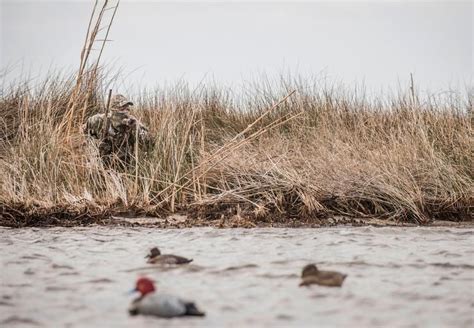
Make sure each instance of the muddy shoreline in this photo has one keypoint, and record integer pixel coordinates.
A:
(23, 217)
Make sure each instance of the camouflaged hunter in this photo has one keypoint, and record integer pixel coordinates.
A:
(123, 130)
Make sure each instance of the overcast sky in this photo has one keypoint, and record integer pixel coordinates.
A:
(378, 43)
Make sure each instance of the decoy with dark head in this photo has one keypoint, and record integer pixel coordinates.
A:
(161, 305)
(312, 275)
(155, 257)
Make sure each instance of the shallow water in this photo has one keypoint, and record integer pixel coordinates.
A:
(398, 277)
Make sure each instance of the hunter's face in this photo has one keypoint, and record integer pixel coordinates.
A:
(126, 107)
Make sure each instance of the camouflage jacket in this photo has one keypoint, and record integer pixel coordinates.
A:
(122, 126)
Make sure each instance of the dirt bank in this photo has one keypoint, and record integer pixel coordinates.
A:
(20, 216)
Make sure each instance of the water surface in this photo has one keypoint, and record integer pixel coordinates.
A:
(398, 277)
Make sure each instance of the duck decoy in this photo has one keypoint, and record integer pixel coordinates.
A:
(312, 275)
(161, 305)
(155, 257)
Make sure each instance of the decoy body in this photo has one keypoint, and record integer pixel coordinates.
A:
(161, 305)
(311, 275)
(155, 257)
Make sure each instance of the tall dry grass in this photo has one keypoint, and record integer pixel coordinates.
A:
(320, 152)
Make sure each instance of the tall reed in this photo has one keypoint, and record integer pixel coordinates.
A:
(320, 152)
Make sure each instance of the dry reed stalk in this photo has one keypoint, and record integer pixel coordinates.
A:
(91, 38)
(135, 190)
(227, 147)
(86, 48)
(178, 169)
(107, 121)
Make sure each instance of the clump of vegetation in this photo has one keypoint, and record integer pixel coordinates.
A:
(269, 156)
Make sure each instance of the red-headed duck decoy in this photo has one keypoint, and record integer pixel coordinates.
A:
(161, 305)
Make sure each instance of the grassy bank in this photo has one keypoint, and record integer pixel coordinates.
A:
(322, 152)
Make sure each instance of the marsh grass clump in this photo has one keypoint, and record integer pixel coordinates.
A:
(317, 153)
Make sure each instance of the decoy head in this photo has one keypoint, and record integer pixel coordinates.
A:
(154, 252)
(309, 270)
(144, 286)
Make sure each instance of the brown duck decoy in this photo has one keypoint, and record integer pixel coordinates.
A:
(311, 275)
(155, 257)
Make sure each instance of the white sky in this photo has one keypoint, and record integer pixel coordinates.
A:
(378, 43)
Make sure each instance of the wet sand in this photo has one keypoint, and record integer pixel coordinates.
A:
(398, 277)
